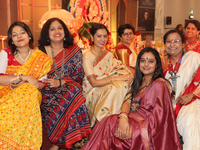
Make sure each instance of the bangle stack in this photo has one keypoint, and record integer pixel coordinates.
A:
(123, 113)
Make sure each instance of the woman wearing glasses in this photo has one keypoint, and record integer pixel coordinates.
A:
(192, 29)
(124, 52)
(184, 74)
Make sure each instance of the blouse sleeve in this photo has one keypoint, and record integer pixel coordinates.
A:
(3, 62)
(88, 65)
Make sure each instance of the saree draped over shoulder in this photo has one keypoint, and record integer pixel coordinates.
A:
(20, 117)
(153, 125)
(106, 100)
(126, 54)
(63, 108)
(193, 46)
(188, 121)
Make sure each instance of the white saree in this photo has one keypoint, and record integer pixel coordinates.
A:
(188, 119)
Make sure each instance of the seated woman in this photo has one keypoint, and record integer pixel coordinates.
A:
(123, 50)
(147, 120)
(20, 71)
(104, 84)
(64, 113)
(185, 65)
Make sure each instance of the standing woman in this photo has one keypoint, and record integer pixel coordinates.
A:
(21, 72)
(147, 120)
(63, 106)
(187, 96)
(192, 29)
(104, 84)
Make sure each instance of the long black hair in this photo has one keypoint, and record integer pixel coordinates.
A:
(44, 36)
(9, 33)
(138, 78)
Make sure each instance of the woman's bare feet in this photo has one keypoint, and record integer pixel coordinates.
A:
(54, 147)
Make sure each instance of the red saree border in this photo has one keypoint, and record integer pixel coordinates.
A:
(69, 52)
(100, 57)
(62, 123)
(122, 46)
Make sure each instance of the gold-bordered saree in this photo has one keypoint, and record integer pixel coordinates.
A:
(106, 100)
(20, 117)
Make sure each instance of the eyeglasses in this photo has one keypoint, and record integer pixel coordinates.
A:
(173, 41)
(127, 34)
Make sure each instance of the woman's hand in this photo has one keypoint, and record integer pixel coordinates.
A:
(12, 85)
(124, 130)
(52, 82)
(126, 77)
(183, 100)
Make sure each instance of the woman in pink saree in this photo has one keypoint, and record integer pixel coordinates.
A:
(147, 120)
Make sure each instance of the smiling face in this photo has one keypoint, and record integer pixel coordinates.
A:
(56, 32)
(147, 64)
(191, 31)
(174, 45)
(127, 37)
(100, 38)
(20, 37)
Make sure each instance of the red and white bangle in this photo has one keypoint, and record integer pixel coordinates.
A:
(123, 115)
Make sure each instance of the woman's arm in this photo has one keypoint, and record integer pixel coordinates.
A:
(124, 130)
(109, 80)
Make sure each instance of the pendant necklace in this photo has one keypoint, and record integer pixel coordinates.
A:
(58, 75)
(29, 52)
(135, 103)
(174, 70)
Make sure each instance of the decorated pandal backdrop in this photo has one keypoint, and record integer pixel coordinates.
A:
(82, 14)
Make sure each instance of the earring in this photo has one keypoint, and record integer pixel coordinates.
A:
(29, 38)
(47, 40)
(64, 39)
(12, 43)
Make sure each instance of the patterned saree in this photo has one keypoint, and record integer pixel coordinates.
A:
(20, 117)
(63, 108)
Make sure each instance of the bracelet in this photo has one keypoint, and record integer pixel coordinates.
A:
(60, 82)
(123, 115)
(124, 112)
(108, 80)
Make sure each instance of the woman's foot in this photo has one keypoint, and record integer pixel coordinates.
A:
(54, 147)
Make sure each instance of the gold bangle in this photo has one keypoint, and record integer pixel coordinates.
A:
(108, 80)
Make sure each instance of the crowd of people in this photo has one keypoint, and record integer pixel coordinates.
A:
(53, 96)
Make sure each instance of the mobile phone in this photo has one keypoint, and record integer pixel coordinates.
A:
(16, 81)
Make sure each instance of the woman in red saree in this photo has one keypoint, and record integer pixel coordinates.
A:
(192, 28)
(147, 120)
(65, 115)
